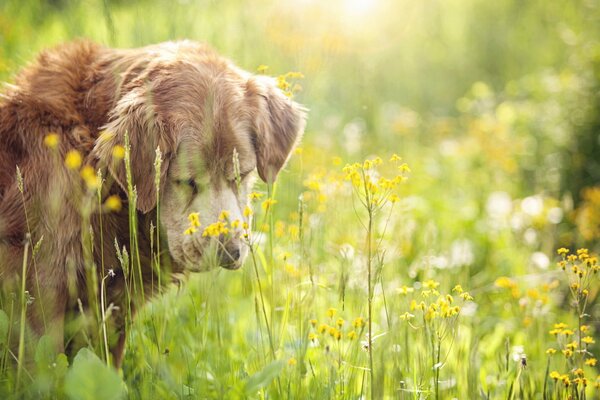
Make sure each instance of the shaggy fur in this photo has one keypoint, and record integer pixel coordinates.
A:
(182, 98)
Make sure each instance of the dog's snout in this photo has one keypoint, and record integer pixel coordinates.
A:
(231, 255)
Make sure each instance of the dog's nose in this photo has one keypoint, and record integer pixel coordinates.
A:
(230, 255)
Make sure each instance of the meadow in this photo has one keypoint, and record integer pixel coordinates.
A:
(434, 236)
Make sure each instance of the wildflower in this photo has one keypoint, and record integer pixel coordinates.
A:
(312, 336)
(458, 289)
(52, 140)
(431, 284)
(352, 335)
(466, 296)
(331, 312)
(190, 231)
(262, 69)
(247, 211)
(194, 219)
(255, 196)
(118, 152)
(555, 375)
(591, 362)
(223, 215)
(113, 203)
(562, 251)
(504, 283)
(406, 316)
(111, 273)
(572, 346)
(292, 361)
(89, 177)
(395, 158)
(551, 351)
(268, 203)
(216, 229)
(323, 328)
(406, 289)
(588, 340)
(73, 159)
(340, 322)
(359, 322)
(567, 353)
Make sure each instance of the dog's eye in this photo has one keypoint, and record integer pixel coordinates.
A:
(190, 183)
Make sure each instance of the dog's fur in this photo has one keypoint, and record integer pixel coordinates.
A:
(180, 97)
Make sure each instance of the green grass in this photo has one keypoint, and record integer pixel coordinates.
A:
(494, 107)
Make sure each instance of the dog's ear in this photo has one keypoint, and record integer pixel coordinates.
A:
(135, 115)
(278, 126)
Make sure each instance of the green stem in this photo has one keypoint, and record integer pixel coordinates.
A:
(21, 351)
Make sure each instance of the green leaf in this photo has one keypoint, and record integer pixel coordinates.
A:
(91, 379)
(45, 353)
(264, 377)
(3, 328)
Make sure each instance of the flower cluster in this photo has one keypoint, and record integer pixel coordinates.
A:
(574, 342)
(373, 189)
(335, 329)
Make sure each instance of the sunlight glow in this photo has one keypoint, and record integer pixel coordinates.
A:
(359, 7)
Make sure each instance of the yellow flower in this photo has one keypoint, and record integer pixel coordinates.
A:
(562, 251)
(268, 203)
(352, 335)
(52, 140)
(431, 284)
(313, 322)
(406, 289)
(255, 196)
(73, 159)
(331, 312)
(504, 283)
(359, 322)
(118, 152)
(323, 328)
(458, 289)
(406, 316)
(292, 361)
(224, 215)
(89, 177)
(588, 340)
(215, 229)
(395, 158)
(340, 322)
(312, 336)
(247, 211)
(113, 203)
(555, 375)
(194, 219)
(190, 231)
(591, 362)
(551, 351)
(466, 296)
(568, 353)
(262, 69)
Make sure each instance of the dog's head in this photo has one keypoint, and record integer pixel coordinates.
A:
(199, 109)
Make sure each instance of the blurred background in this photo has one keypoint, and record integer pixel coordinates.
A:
(495, 106)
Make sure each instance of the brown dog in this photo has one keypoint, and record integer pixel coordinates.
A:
(182, 98)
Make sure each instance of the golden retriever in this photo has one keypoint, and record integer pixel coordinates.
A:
(182, 98)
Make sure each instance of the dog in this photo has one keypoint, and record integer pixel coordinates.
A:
(194, 128)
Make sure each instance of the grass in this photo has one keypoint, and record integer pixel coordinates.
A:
(446, 282)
